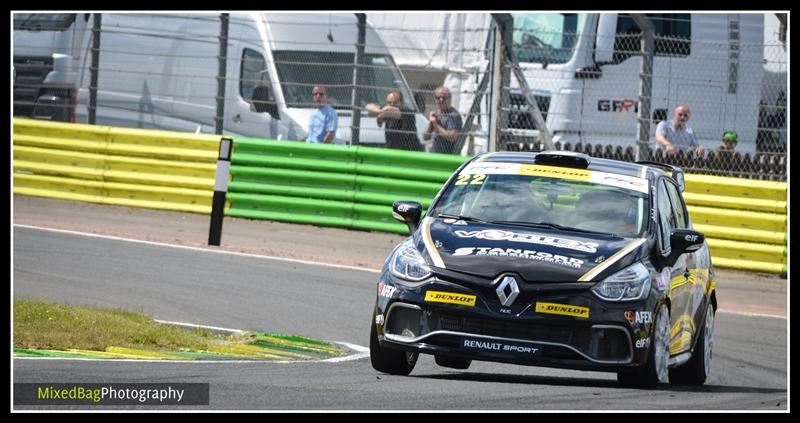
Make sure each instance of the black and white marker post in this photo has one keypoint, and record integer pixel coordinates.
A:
(220, 189)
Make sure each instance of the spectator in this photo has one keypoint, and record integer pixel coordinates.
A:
(444, 124)
(401, 128)
(729, 140)
(323, 123)
(676, 135)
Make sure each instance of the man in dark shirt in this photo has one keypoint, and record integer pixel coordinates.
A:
(401, 128)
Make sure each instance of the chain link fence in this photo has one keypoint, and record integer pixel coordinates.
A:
(725, 67)
(582, 72)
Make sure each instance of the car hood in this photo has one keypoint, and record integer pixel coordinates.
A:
(538, 255)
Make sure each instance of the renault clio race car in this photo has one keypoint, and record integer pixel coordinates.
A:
(551, 259)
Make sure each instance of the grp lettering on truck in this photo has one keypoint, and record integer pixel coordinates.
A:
(626, 105)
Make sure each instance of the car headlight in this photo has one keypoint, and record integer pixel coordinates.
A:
(407, 263)
(630, 283)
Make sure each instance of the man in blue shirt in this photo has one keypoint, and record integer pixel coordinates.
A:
(323, 123)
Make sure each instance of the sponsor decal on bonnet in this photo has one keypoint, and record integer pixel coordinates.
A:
(519, 253)
(500, 235)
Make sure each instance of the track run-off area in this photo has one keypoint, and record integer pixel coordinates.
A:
(334, 302)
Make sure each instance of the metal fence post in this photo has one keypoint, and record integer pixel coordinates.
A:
(96, 25)
(497, 88)
(507, 21)
(645, 86)
(359, 62)
(219, 118)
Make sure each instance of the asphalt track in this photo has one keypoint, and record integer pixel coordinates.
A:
(335, 303)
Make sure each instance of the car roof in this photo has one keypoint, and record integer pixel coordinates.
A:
(598, 164)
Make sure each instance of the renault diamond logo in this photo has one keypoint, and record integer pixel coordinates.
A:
(507, 290)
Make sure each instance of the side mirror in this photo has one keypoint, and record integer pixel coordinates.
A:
(408, 212)
(604, 43)
(686, 240)
(263, 103)
(419, 98)
(683, 241)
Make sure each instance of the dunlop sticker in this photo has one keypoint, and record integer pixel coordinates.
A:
(563, 309)
(450, 297)
(556, 172)
(585, 175)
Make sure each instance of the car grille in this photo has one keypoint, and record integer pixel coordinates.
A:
(30, 74)
(606, 343)
(572, 335)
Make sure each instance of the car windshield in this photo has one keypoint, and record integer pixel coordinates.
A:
(43, 21)
(607, 206)
(546, 37)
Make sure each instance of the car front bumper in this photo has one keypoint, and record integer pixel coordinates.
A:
(603, 336)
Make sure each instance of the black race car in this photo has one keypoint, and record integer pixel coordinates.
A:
(551, 259)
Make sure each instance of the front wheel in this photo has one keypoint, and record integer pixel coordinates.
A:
(655, 369)
(697, 369)
(387, 360)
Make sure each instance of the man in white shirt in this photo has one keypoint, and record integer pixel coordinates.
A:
(673, 135)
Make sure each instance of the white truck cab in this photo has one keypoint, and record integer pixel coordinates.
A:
(584, 71)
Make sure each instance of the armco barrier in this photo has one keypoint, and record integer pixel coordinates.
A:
(331, 185)
(745, 221)
(355, 186)
(102, 164)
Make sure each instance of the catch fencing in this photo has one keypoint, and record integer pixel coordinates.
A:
(729, 68)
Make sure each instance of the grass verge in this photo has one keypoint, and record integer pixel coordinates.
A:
(43, 325)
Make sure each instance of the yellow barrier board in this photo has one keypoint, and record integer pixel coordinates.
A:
(122, 166)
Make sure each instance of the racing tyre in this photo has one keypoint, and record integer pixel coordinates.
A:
(696, 370)
(655, 369)
(453, 362)
(390, 361)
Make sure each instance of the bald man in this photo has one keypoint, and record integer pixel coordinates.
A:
(673, 135)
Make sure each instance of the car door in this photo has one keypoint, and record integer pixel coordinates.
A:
(697, 263)
(680, 287)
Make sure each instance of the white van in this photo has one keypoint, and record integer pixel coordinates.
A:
(160, 71)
